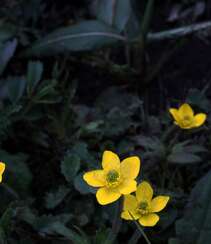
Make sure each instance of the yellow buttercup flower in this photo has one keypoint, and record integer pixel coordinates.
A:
(185, 118)
(115, 178)
(142, 207)
(2, 168)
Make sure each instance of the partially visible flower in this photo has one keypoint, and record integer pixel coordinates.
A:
(115, 178)
(2, 168)
(142, 207)
(185, 118)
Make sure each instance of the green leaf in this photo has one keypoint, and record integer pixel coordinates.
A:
(8, 215)
(15, 88)
(183, 158)
(81, 186)
(199, 98)
(52, 225)
(6, 53)
(195, 226)
(6, 222)
(76, 238)
(114, 12)
(85, 36)
(70, 167)
(102, 237)
(7, 31)
(53, 199)
(34, 74)
(17, 172)
(183, 153)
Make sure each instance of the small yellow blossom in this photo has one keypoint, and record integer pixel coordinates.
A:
(185, 118)
(142, 207)
(115, 178)
(2, 168)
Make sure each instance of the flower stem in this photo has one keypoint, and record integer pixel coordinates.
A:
(142, 232)
(140, 229)
(116, 224)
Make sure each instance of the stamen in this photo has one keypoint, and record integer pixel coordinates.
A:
(143, 208)
(112, 176)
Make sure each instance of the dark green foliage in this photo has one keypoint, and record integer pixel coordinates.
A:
(74, 82)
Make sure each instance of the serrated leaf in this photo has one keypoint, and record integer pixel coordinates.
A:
(114, 12)
(53, 199)
(195, 226)
(70, 167)
(85, 36)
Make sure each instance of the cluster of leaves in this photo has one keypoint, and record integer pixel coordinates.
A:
(50, 134)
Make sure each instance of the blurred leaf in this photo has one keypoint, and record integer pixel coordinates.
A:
(195, 226)
(114, 12)
(117, 111)
(102, 237)
(81, 186)
(153, 146)
(70, 166)
(183, 158)
(85, 36)
(52, 225)
(198, 98)
(183, 153)
(53, 199)
(34, 75)
(6, 222)
(7, 117)
(6, 53)
(15, 88)
(80, 149)
(47, 93)
(19, 175)
(7, 31)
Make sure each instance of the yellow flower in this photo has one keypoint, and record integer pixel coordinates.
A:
(115, 178)
(2, 168)
(142, 207)
(185, 118)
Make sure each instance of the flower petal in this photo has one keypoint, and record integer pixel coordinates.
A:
(158, 203)
(130, 167)
(149, 220)
(144, 192)
(199, 119)
(174, 112)
(185, 110)
(130, 203)
(110, 160)
(127, 186)
(95, 178)
(126, 215)
(2, 168)
(105, 195)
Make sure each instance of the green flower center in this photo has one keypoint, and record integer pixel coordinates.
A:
(143, 208)
(112, 176)
(187, 120)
